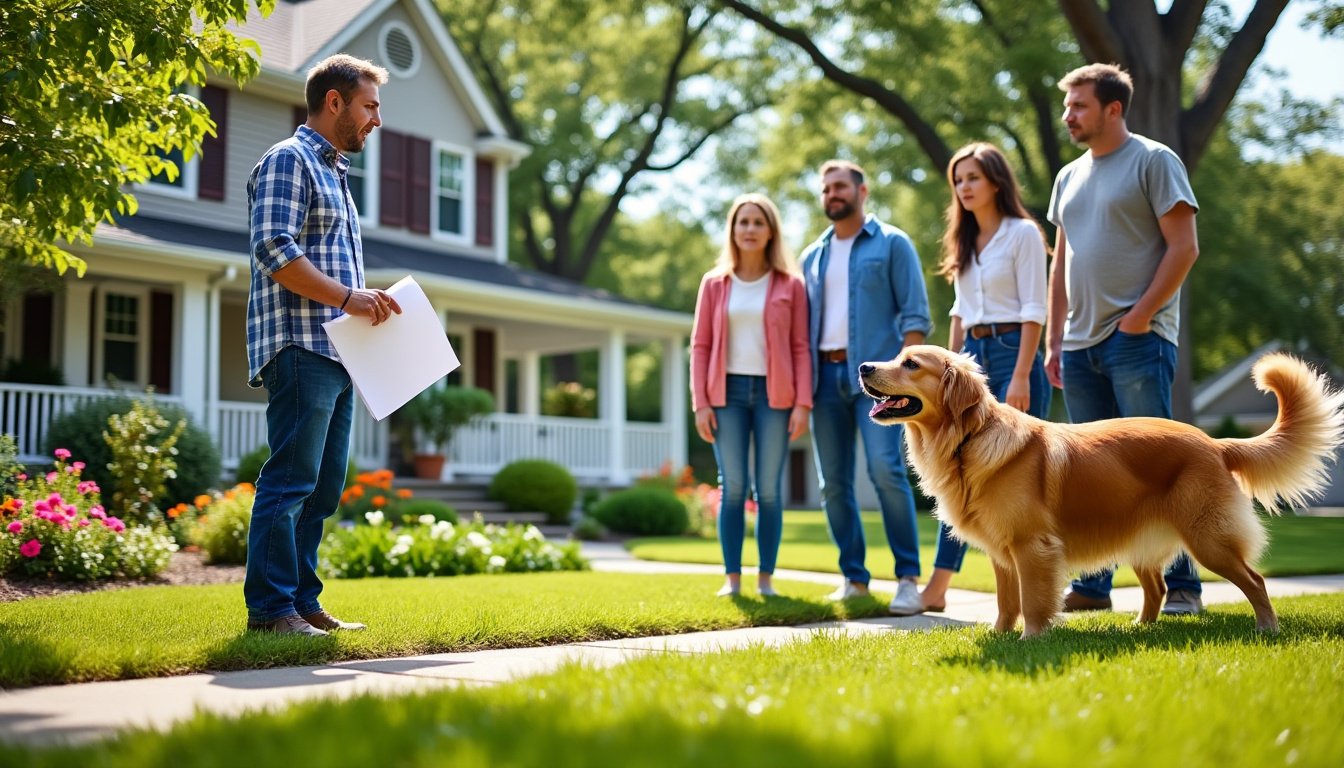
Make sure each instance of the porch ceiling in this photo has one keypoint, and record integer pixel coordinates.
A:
(517, 336)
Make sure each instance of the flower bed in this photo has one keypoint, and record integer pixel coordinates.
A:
(55, 526)
(438, 548)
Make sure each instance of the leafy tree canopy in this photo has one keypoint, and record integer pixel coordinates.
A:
(93, 97)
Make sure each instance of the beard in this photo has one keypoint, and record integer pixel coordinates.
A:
(845, 210)
(347, 133)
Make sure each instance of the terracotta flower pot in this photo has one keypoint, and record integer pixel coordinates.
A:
(429, 466)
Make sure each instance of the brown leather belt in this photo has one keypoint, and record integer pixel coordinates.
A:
(832, 355)
(992, 329)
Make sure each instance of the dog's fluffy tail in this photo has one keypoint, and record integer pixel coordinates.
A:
(1288, 464)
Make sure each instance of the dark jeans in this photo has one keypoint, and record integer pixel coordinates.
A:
(1125, 375)
(309, 411)
(997, 355)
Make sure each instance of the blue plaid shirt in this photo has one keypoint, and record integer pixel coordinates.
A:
(299, 205)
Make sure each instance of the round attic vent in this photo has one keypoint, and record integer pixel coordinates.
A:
(399, 49)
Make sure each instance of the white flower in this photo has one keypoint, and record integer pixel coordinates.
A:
(441, 530)
(533, 534)
(374, 517)
(426, 519)
(478, 541)
(495, 563)
(405, 540)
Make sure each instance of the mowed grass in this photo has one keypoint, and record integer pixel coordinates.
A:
(1298, 546)
(1099, 691)
(155, 631)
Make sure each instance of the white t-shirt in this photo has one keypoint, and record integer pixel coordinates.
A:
(835, 299)
(746, 326)
(1006, 283)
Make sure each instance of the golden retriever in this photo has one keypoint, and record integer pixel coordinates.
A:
(1044, 499)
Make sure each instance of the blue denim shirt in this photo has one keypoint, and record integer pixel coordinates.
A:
(887, 297)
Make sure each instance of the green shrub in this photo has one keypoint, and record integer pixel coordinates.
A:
(221, 528)
(81, 432)
(9, 466)
(589, 529)
(645, 510)
(415, 509)
(249, 466)
(144, 457)
(535, 485)
(569, 398)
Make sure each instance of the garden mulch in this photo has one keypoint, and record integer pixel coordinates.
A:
(186, 567)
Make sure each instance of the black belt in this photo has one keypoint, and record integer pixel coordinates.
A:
(992, 329)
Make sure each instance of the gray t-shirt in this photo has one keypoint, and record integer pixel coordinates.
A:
(1109, 207)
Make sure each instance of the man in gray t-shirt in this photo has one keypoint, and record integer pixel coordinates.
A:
(1126, 241)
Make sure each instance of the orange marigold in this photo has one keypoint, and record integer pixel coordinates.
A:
(203, 501)
(379, 502)
(404, 493)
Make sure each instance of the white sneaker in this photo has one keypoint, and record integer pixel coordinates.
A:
(847, 590)
(907, 601)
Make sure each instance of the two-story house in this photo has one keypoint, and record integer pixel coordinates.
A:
(164, 300)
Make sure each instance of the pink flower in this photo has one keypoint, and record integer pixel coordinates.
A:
(41, 506)
(61, 453)
(23, 476)
(114, 524)
(51, 477)
(70, 510)
(96, 511)
(30, 548)
(18, 503)
(14, 527)
(88, 486)
(83, 522)
(79, 466)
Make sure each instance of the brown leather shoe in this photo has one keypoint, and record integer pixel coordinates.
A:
(286, 625)
(1075, 602)
(324, 620)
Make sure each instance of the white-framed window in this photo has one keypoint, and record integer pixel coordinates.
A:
(451, 189)
(362, 179)
(185, 183)
(121, 342)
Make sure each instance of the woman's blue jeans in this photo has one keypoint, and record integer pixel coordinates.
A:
(746, 423)
(309, 410)
(997, 356)
(1125, 375)
(840, 412)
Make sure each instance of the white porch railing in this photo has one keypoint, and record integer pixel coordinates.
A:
(581, 445)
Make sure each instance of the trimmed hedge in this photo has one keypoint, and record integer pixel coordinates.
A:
(644, 510)
(535, 485)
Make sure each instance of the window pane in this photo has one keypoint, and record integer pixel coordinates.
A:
(450, 174)
(356, 185)
(450, 215)
(162, 178)
(119, 360)
(122, 315)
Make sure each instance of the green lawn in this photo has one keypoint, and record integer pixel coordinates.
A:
(154, 631)
(1192, 692)
(1298, 546)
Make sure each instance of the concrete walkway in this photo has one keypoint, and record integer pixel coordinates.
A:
(87, 711)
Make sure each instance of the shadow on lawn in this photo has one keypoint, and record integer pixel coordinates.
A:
(1107, 636)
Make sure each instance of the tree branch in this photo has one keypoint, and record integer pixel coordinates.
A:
(1181, 22)
(1096, 36)
(925, 135)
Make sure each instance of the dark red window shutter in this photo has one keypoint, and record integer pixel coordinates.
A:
(392, 184)
(214, 153)
(161, 341)
(418, 168)
(485, 202)
(483, 359)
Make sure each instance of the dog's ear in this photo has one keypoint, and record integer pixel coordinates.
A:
(963, 397)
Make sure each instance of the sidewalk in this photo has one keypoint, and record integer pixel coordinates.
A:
(87, 711)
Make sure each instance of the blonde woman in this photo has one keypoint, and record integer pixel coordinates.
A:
(751, 378)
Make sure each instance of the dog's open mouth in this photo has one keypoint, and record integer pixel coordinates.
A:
(896, 407)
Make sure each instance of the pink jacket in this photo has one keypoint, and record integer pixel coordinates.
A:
(788, 378)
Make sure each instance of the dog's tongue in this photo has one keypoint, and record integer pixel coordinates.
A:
(892, 402)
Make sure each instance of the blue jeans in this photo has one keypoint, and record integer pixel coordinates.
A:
(1125, 375)
(997, 356)
(745, 422)
(310, 407)
(838, 411)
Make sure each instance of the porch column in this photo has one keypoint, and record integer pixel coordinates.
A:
(213, 367)
(193, 353)
(674, 397)
(611, 403)
(529, 384)
(75, 341)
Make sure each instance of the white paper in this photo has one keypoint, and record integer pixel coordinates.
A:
(394, 361)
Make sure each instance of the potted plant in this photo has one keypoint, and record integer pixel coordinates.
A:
(436, 414)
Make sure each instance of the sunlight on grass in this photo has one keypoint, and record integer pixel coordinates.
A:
(1192, 692)
(152, 631)
(1298, 546)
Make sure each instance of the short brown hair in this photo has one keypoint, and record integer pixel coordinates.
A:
(1110, 82)
(342, 73)
(843, 165)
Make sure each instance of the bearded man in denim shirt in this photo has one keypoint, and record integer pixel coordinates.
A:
(307, 268)
(867, 300)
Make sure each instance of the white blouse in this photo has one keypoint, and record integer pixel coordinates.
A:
(746, 325)
(1006, 283)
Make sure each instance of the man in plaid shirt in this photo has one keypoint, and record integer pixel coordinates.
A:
(307, 268)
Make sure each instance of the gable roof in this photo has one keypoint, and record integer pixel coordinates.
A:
(297, 35)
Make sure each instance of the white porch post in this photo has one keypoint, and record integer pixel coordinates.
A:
(213, 367)
(77, 344)
(674, 396)
(501, 217)
(611, 403)
(529, 384)
(194, 360)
